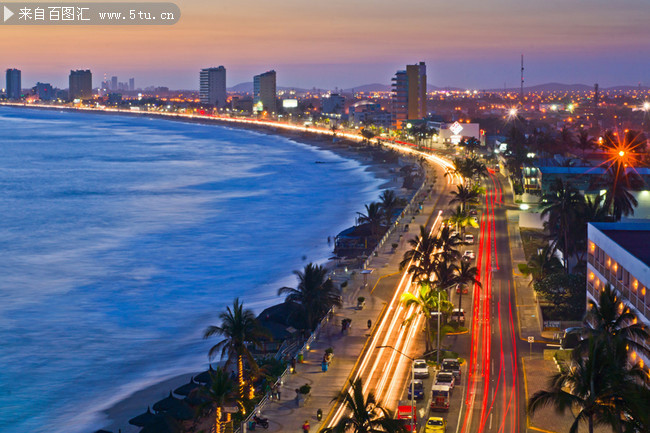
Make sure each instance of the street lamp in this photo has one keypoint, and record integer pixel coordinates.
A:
(412, 386)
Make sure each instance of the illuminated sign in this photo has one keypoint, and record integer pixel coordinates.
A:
(290, 103)
(455, 128)
(455, 139)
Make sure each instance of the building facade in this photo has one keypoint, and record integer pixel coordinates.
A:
(212, 88)
(264, 92)
(618, 255)
(333, 104)
(409, 94)
(369, 113)
(44, 91)
(14, 85)
(80, 85)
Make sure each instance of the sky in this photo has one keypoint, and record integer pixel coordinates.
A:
(346, 43)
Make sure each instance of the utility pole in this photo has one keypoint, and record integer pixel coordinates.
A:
(521, 92)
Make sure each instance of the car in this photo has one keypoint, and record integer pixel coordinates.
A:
(457, 316)
(446, 378)
(452, 365)
(462, 287)
(469, 255)
(473, 212)
(571, 338)
(436, 424)
(469, 238)
(418, 388)
(475, 221)
(420, 369)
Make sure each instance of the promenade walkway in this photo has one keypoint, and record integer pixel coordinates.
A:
(284, 414)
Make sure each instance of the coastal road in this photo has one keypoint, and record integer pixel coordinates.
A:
(494, 400)
(384, 371)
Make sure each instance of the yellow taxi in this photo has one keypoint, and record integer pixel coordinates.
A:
(435, 424)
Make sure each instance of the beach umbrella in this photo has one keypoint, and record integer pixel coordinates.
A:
(187, 388)
(162, 424)
(205, 377)
(174, 407)
(143, 419)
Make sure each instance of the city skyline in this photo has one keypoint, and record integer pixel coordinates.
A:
(467, 44)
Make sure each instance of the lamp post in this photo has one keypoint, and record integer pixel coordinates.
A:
(439, 314)
(412, 386)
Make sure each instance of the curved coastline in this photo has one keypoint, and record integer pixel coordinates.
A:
(117, 414)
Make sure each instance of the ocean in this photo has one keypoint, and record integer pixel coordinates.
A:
(122, 238)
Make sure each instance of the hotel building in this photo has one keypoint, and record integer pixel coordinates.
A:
(14, 86)
(80, 85)
(409, 94)
(619, 255)
(212, 87)
(264, 92)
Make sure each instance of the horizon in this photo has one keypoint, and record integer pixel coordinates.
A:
(467, 45)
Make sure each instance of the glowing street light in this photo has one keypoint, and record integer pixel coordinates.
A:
(512, 112)
(621, 153)
(646, 106)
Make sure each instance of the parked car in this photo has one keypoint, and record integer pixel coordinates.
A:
(469, 255)
(469, 238)
(446, 378)
(436, 424)
(457, 315)
(571, 338)
(417, 386)
(420, 369)
(452, 365)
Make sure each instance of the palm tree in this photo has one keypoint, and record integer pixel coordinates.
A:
(446, 245)
(365, 414)
(585, 386)
(610, 320)
(584, 141)
(367, 135)
(445, 273)
(220, 390)
(618, 181)
(315, 293)
(461, 219)
(464, 195)
(373, 216)
(238, 327)
(541, 264)
(426, 301)
(420, 256)
(389, 202)
(562, 205)
(466, 274)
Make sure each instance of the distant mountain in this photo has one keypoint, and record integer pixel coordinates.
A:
(375, 87)
(247, 87)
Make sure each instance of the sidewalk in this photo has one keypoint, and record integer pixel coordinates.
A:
(285, 415)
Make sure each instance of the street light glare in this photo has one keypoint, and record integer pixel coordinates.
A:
(621, 153)
(513, 112)
(646, 106)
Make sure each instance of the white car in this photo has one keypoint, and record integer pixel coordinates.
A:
(420, 369)
(446, 378)
(469, 238)
(469, 255)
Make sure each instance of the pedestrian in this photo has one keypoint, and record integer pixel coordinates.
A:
(305, 427)
(293, 365)
(278, 391)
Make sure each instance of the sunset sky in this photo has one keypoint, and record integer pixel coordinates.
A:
(345, 43)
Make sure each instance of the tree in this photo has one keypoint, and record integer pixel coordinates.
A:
(315, 293)
(592, 387)
(464, 195)
(420, 256)
(389, 202)
(367, 135)
(562, 205)
(461, 219)
(541, 264)
(566, 292)
(220, 390)
(445, 273)
(238, 327)
(618, 182)
(446, 245)
(466, 274)
(373, 216)
(610, 320)
(426, 300)
(585, 142)
(471, 144)
(365, 415)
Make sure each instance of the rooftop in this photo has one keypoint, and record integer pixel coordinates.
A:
(634, 237)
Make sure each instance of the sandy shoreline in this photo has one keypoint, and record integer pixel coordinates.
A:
(116, 417)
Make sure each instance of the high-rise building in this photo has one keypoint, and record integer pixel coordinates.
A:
(81, 84)
(131, 84)
(409, 93)
(333, 104)
(213, 87)
(264, 92)
(114, 83)
(14, 89)
(44, 91)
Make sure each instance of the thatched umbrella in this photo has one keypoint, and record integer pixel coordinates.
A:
(205, 377)
(162, 424)
(174, 407)
(187, 388)
(143, 419)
